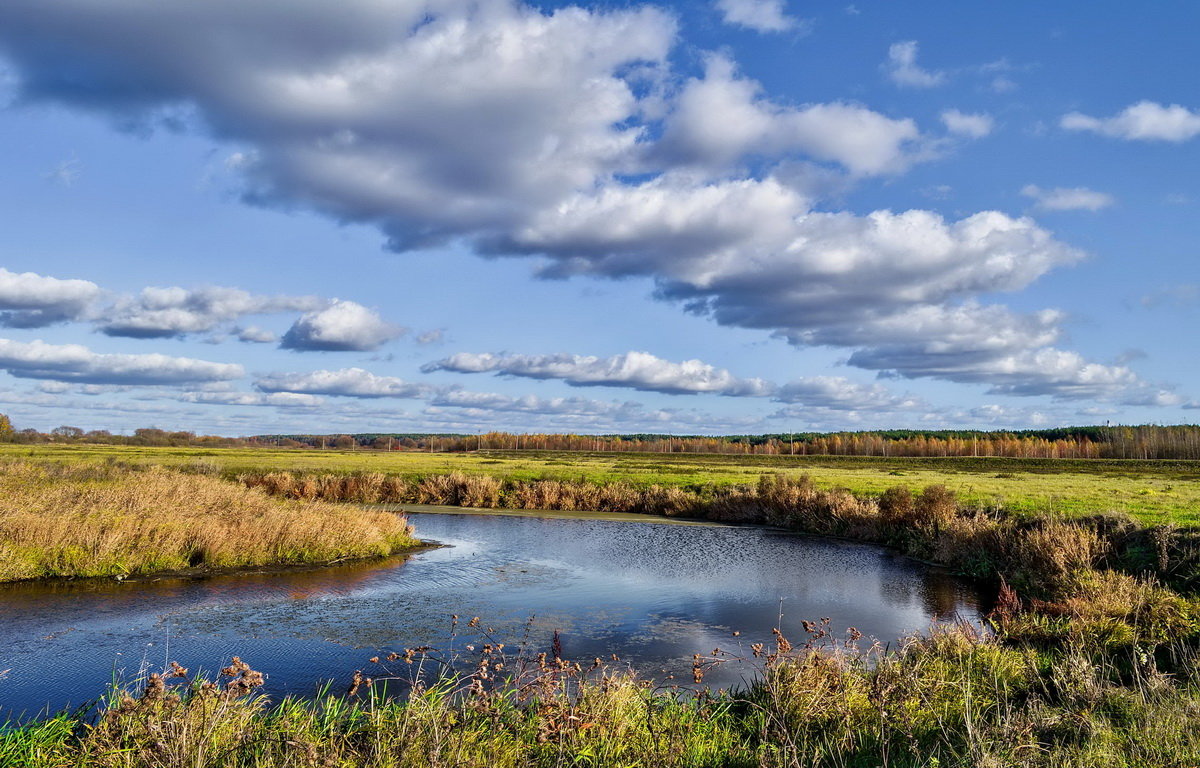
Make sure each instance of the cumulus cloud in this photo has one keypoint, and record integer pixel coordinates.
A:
(752, 254)
(343, 326)
(1010, 352)
(30, 300)
(564, 135)
(898, 287)
(1143, 121)
(972, 126)
(169, 312)
(721, 117)
(570, 413)
(635, 370)
(76, 363)
(759, 15)
(529, 105)
(1068, 198)
(838, 393)
(491, 401)
(279, 399)
(347, 382)
(901, 67)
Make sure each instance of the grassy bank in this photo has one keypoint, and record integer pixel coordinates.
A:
(1155, 492)
(954, 698)
(78, 520)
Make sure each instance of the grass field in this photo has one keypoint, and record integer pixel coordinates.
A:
(1153, 491)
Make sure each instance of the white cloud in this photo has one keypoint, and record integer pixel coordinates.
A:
(529, 105)
(166, 312)
(974, 126)
(490, 401)
(348, 382)
(342, 326)
(527, 147)
(1143, 121)
(467, 410)
(279, 399)
(1068, 198)
(752, 254)
(759, 15)
(30, 300)
(896, 287)
(838, 393)
(901, 66)
(720, 118)
(76, 363)
(635, 370)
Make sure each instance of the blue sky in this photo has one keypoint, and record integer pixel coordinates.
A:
(737, 216)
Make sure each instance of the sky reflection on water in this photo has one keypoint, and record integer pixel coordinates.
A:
(653, 594)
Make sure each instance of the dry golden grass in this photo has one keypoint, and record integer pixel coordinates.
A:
(102, 520)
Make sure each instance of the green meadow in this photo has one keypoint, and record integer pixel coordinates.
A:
(1154, 492)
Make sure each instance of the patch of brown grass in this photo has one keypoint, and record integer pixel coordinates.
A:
(97, 520)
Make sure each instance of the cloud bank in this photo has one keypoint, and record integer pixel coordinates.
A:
(634, 370)
(567, 136)
(76, 363)
(30, 300)
(347, 382)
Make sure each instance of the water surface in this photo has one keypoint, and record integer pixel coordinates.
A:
(653, 594)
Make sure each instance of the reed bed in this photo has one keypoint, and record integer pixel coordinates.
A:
(80, 520)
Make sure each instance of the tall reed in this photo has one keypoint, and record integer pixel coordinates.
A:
(100, 520)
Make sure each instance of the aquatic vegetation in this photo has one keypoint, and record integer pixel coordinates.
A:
(108, 520)
(955, 697)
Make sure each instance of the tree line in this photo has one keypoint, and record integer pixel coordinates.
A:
(1087, 442)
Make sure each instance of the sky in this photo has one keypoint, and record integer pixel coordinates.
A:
(740, 216)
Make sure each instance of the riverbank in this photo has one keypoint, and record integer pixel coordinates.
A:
(102, 520)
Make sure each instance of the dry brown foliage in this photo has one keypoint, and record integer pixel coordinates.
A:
(96, 520)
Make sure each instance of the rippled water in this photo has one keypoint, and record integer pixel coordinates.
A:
(652, 593)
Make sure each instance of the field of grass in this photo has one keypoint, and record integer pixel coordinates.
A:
(90, 519)
(1154, 492)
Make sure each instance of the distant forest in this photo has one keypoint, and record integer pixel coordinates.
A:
(1097, 442)
(1121, 442)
